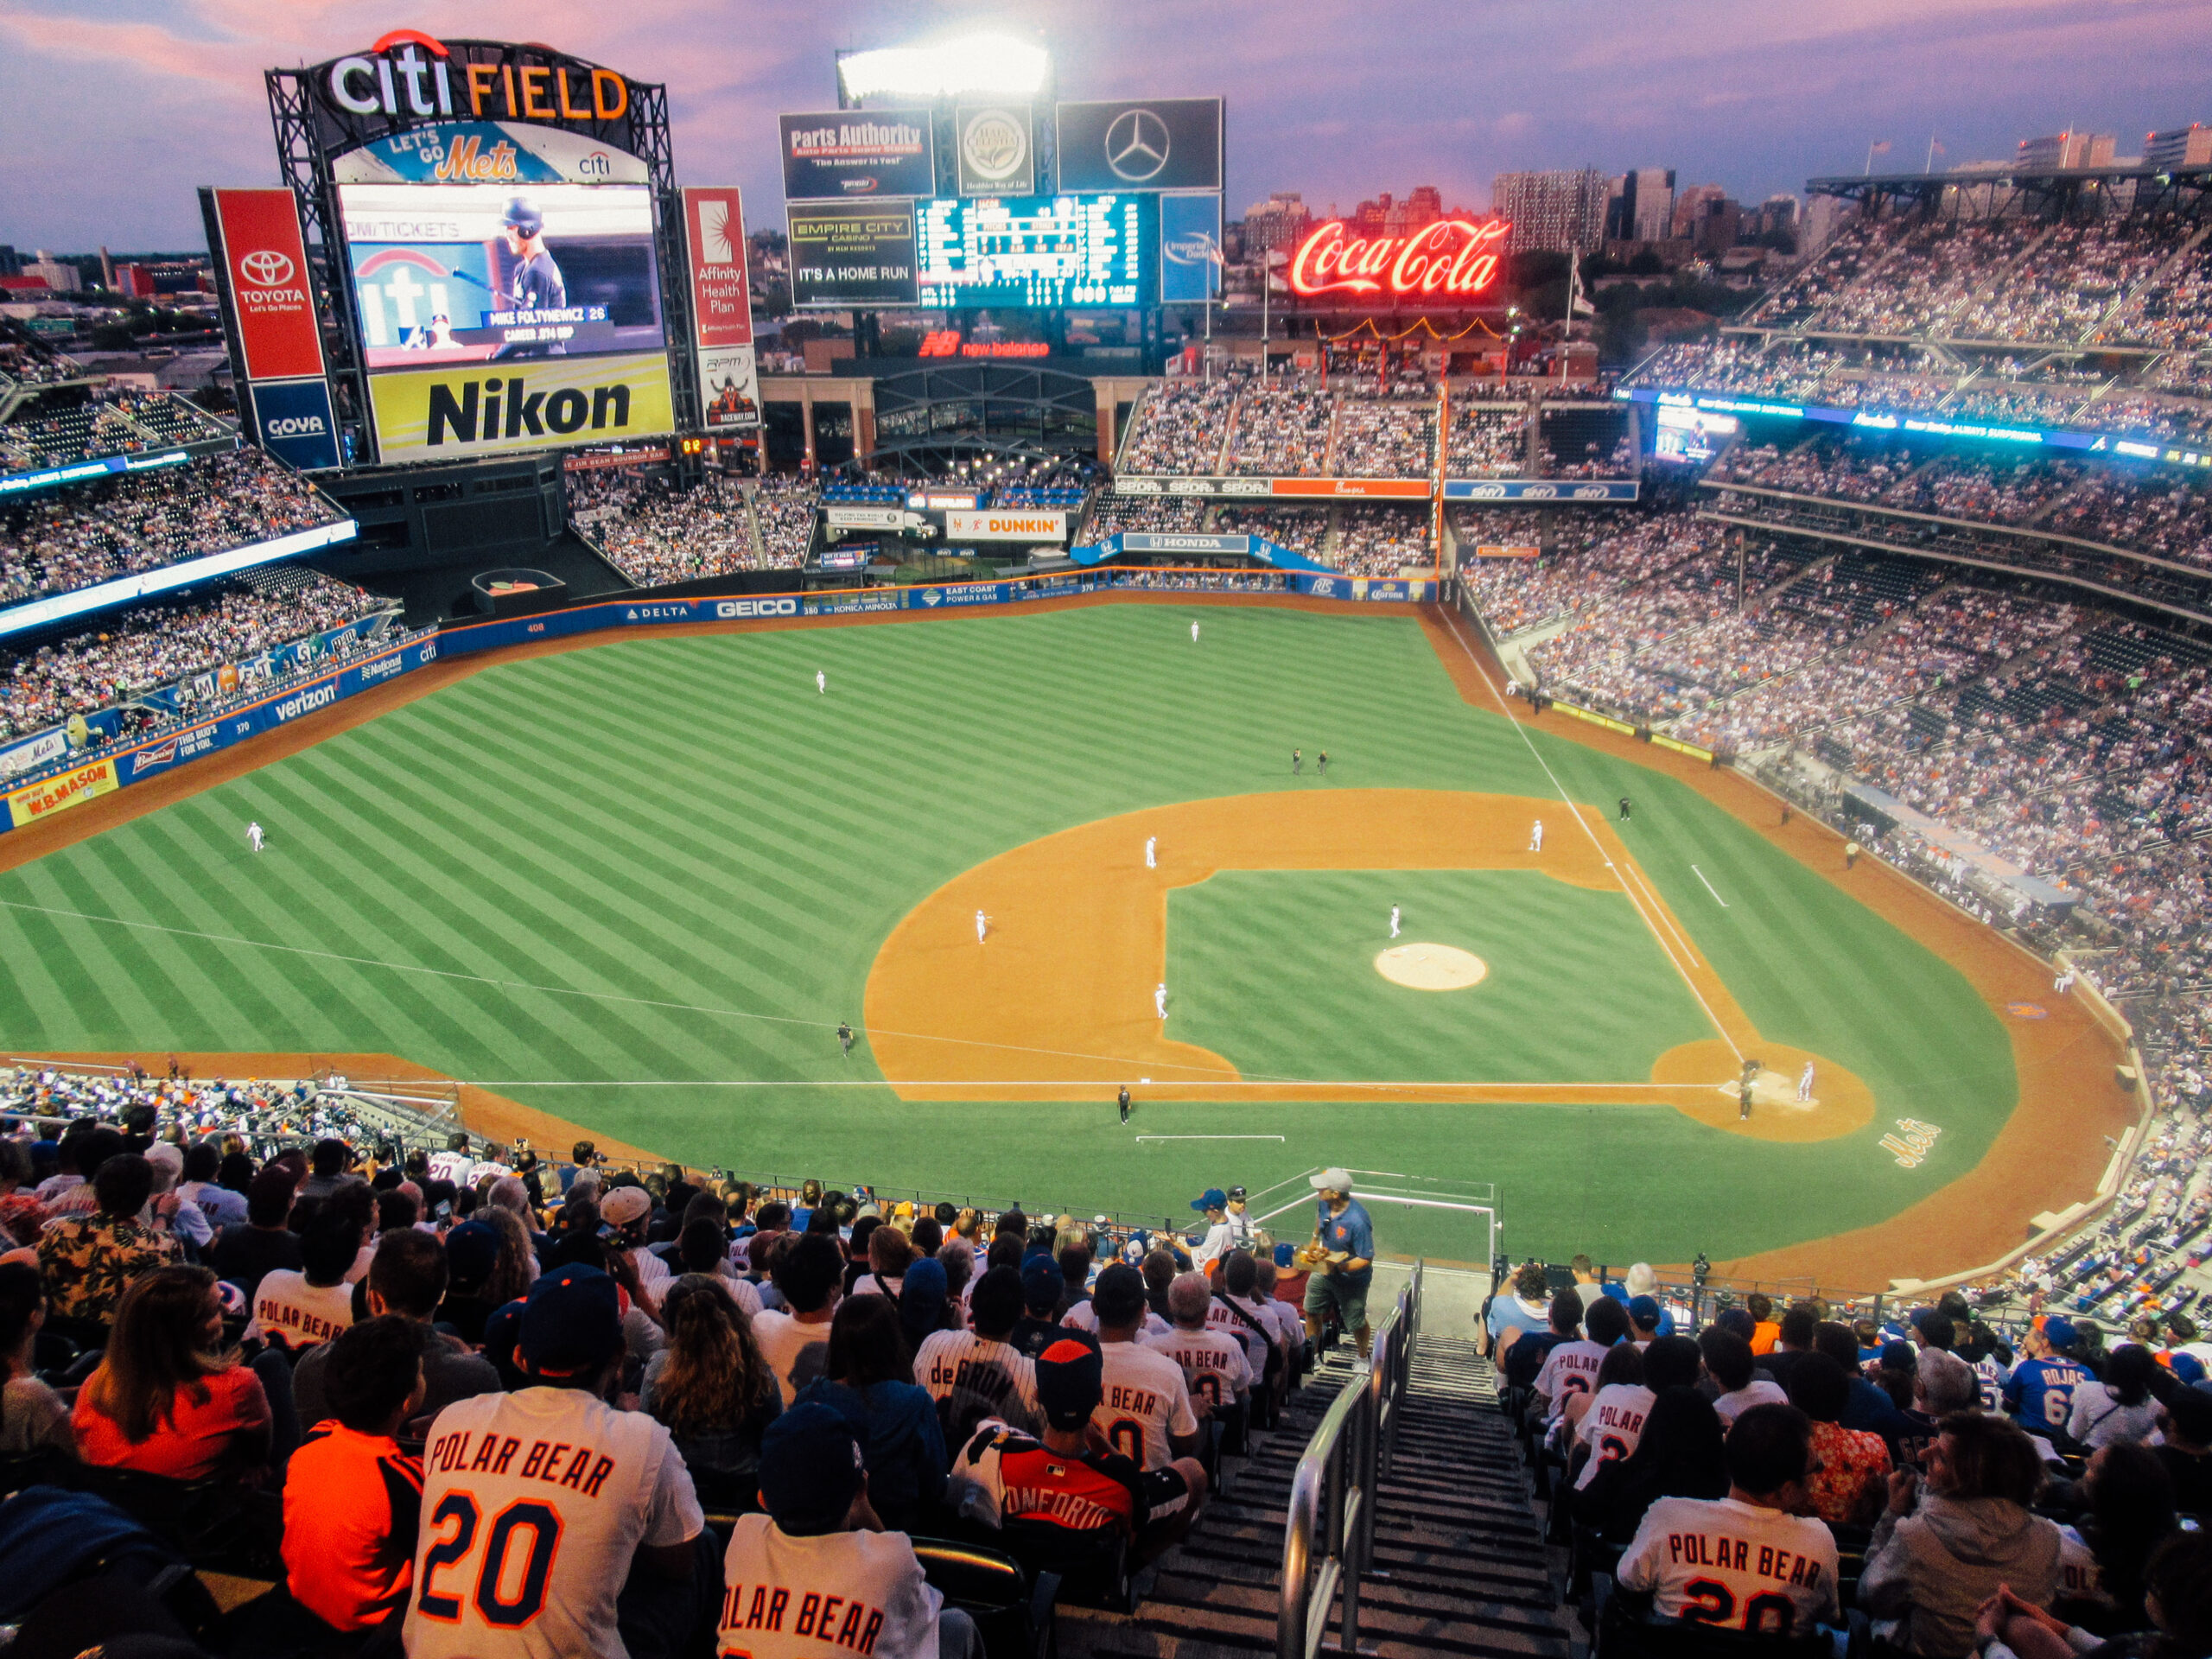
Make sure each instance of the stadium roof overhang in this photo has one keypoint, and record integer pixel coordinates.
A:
(2182, 189)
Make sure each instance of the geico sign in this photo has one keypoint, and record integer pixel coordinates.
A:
(411, 73)
(733, 607)
(1453, 256)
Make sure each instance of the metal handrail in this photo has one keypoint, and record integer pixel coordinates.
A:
(1337, 1486)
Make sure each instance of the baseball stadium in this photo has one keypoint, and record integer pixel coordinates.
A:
(1012, 700)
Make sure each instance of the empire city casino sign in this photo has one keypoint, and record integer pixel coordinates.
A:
(1452, 259)
(409, 78)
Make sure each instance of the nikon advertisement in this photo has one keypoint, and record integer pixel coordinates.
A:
(492, 409)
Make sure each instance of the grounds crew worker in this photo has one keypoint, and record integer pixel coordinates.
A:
(1344, 1242)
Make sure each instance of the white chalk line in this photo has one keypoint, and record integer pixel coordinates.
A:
(1717, 899)
(1568, 801)
(1209, 1137)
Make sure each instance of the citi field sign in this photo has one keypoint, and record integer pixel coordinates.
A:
(1453, 258)
(409, 77)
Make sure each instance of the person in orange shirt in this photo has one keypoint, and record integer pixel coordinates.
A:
(165, 1399)
(1766, 1329)
(353, 1499)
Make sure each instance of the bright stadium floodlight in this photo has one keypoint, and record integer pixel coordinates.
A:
(977, 63)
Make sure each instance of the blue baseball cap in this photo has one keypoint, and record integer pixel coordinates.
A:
(571, 1322)
(1285, 1255)
(2059, 1332)
(1042, 1282)
(1644, 1309)
(472, 1251)
(811, 1469)
(2187, 1367)
(1212, 1199)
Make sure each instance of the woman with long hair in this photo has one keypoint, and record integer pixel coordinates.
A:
(1680, 1455)
(869, 1377)
(2131, 1499)
(517, 1267)
(33, 1417)
(167, 1398)
(713, 1387)
(2118, 1409)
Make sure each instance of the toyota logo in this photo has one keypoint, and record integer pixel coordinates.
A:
(265, 268)
(1136, 145)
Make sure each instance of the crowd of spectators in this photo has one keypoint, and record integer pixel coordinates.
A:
(1302, 529)
(1488, 440)
(1182, 427)
(655, 532)
(1382, 439)
(129, 652)
(92, 532)
(1168, 515)
(113, 421)
(1580, 559)
(1384, 542)
(1282, 431)
(786, 509)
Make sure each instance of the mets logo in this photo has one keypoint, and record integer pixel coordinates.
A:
(2027, 1010)
(265, 267)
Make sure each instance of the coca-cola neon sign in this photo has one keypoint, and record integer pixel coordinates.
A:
(1454, 258)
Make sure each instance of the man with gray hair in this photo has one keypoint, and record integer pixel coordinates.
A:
(1942, 1383)
(1214, 1363)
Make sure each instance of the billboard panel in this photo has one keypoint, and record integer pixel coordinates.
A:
(292, 420)
(858, 153)
(488, 152)
(453, 274)
(1006, 525)
(468, 409)
(852, 253)
(1044, 252)
(729, 388)
(722, 307)
(996, 156)
(265, 259)
(1154, 144)
(1190, 248)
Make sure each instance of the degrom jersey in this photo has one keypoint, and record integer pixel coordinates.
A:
(1612, 1425)
(2040, 1393)
(1732, 1565)
(1213, 1362)
(1146, 1400)
(533, 1504)
(972, 1377)
(840, 1594)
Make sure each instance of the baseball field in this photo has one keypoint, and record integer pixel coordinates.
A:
(635, 885)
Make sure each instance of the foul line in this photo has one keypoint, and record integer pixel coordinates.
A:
(1568, 801)
(1209, 1137)
(1717, 899)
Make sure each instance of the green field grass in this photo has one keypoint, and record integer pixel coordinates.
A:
(658, 866)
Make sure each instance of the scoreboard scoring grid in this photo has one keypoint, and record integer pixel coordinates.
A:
(1045, 252)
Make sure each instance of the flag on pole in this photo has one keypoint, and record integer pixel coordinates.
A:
(1578, 302)
(1880, 147)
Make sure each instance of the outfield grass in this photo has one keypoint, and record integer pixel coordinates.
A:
(671, 862)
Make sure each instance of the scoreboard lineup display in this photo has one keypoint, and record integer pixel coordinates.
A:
(1045, 252)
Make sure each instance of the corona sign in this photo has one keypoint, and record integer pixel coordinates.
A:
(1452, 259)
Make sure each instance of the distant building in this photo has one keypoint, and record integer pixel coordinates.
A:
(1641, 206)
(1280, 221)
(2188, 146)
(1824, 217)
(2066, 150)
(1559, 211)
(11, 263)
(60, 276)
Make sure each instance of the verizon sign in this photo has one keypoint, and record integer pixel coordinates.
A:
(1006, 524)
(266, 263)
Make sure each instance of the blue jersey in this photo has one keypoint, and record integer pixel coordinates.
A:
(2040, 1393)
(1352, 1233)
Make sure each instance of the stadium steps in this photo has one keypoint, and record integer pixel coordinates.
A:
(1460, 1563)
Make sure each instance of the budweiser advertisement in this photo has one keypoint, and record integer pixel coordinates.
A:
(714, 222)
(266, 260)
(1451, 259)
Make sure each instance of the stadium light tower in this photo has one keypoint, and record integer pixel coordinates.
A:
(995, 65)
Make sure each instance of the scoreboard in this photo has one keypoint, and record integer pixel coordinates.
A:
(1043, 253)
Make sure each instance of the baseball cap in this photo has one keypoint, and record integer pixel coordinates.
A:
(1118, 1297)
(1212, 1199)
(626, 1204)
(2058, 1332)
(1042, 1282)
(1236, 1193)
(2188, 1368)
(1644, 1309)
(1331, 1180)
(571, 1322)
(472, 1251)
(1898, 1356)
(1284, 1255)
(1071, 1379)
(811, 1469)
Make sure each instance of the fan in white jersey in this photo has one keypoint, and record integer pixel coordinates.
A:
(1572, 1367)
(1084, 1317)
(818, 1573)
(977, 1373)
(1238, 1312)
(538, 1505)
(1612, 1425)
(1145, 1415)
(1743, 1562)
(1214, 1364)
(795, 1339)
(1229, 1225)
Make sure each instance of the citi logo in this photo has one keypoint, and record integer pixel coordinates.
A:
(729, 609)
(298, 426)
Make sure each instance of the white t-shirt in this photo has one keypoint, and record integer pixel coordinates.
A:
(1084, 1317)
(1612, 1425)
(1214, 1364)
(1146, 1400)
(869, 1285)
(1570, 1368)
(1232, 1232)
(2098, 1418)
(783, 1343)
(533, 1504)
(295, 1314)
(1290, 1330)
(1219, 1317)
(1733, 1565)
(972, 1377)
(1756, 1392)
(844, 1593)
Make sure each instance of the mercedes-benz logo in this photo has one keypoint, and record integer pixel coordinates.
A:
(265, 267)
(1136, 145)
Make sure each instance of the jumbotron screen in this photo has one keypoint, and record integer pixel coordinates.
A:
(1044, 252)
(468, 273)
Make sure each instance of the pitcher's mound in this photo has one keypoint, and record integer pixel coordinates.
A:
(1431, 967)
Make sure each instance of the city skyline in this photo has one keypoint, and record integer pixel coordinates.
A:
(112, 122)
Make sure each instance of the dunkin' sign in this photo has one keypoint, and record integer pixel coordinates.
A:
(1018, 525)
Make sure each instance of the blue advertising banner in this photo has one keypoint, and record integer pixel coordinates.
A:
(1575, 491)
(1190, 248)
(293, 423)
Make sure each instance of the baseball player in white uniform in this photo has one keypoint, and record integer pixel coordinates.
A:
(2064, 983)
(253, 836)
(1805, 1083)
(1151, 852)
(1394, 921)
(1194, 633)
(536, 1504)
(1160, 999)
(982, 923)
(1537, 836)
(821, 682)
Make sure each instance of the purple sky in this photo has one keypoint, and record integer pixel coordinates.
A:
(110, 122)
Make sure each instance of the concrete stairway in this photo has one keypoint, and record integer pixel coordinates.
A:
(1459, 1564)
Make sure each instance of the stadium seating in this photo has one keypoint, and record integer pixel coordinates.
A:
(115, 421)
